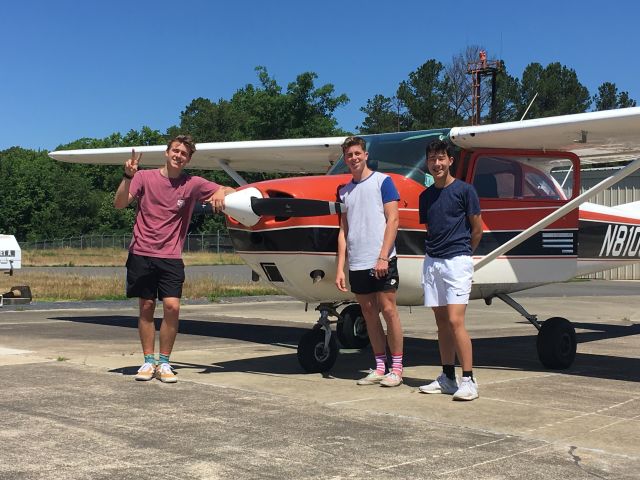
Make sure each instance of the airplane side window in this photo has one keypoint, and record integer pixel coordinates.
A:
(526, 177)
(495, 177)
(538, 186)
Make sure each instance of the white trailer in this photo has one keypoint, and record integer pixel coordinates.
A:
(11, 260)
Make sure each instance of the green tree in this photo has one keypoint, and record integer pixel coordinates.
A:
(608, 98)
(559, 91)
(432, 97)
(425, 96)
(263, 112)
(206, 121)
(507, 96)
(384, 114)
(311, 109)
(110, 220)
(43, 199)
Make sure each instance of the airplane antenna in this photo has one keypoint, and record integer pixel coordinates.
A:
(530, 103)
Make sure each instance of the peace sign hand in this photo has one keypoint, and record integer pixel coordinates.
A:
(131, 165)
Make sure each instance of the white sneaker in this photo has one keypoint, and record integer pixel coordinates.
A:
(145, 372)
(391, 379)
(442, 384)
(372, 378)
(165, 374)
(468, 389)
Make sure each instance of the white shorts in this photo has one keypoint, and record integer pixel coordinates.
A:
(447, 281)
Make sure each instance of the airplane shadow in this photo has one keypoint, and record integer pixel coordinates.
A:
(512, 352)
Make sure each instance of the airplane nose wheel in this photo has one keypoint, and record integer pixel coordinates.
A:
(556, 343)
(318, 348)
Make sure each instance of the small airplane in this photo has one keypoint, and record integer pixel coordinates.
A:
(538, 228)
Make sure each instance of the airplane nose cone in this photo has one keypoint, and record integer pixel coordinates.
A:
(238, 206)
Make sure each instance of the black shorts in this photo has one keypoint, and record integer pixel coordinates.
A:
(364, 281)
(151, 277)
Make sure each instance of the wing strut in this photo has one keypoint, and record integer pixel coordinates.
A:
(224, 164)
(549, 219)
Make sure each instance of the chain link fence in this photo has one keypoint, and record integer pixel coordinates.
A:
(195, 242)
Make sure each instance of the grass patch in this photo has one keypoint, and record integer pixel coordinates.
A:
(47, 287)
(112, 257)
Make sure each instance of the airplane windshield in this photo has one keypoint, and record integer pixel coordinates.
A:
(402, 153)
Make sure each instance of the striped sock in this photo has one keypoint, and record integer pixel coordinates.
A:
(164, 358)
(150, 358)
(380, 365)
(396, 363)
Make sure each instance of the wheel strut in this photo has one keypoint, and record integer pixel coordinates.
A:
(533, 319)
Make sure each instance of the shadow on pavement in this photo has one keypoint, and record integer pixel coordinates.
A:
(509, 352)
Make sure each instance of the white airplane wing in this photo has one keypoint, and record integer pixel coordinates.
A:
(307, 155)
(606, 136)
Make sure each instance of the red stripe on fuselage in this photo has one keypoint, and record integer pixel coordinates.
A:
(606, 218)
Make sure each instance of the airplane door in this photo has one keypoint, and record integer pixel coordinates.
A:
(516, 190)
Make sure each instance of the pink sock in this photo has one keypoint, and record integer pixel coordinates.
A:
(396, 363)
(380, 366)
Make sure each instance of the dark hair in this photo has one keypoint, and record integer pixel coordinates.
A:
(439, 146)
(352, 142)
(185, 140)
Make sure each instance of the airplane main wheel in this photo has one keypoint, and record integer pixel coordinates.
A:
(557, 343)
(352, 328)
(311, 352)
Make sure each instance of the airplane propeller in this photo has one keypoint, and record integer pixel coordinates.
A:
(248, 205)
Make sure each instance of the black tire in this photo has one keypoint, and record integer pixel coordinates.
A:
(311, 354)
(352, 328)
(557, 343)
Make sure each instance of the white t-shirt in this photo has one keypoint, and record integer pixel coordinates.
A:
(365, 218)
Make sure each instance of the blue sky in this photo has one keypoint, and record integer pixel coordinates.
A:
(74, 69)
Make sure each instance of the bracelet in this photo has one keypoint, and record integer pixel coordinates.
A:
(383, 259)
(129, 177)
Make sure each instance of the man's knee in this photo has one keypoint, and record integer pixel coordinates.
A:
(147, 306)
(389, 312)
(171, 306)
(369, 312)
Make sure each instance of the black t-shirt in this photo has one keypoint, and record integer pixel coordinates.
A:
(445, 211)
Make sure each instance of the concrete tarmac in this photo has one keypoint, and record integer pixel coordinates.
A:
(244, 409)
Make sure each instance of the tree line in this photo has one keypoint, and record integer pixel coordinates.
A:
(42, 198)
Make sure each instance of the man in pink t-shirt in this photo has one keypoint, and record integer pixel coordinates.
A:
(166, 197)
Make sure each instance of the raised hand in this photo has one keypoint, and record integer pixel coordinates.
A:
(131, 165)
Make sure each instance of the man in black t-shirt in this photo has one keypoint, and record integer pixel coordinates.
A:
(451, 210)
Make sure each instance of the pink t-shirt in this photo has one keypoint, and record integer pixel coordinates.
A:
(164, 211)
